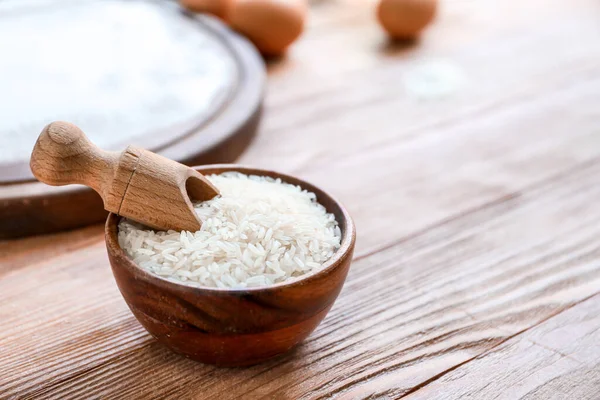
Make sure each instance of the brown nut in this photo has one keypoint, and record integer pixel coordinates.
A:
(272, 25)
(405, 19)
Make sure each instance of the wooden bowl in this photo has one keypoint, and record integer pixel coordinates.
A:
(233, 327)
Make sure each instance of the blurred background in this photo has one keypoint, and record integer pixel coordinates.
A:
(479, 100)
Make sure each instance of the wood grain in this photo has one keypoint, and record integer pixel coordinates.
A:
(557, 359)
(16, 254)
(406, 315)
(489, 138)
(477, 218)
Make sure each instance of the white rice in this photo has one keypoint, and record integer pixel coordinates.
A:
(260, 231)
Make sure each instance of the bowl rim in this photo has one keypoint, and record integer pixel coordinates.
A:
(346, 245)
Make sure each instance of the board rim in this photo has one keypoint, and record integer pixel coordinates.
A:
(156, 140)
(221, 138)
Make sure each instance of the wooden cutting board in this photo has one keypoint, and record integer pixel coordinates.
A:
(136, 72)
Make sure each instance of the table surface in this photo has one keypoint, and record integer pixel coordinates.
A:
(477, 204)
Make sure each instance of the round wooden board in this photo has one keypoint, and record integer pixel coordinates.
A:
(218, 131)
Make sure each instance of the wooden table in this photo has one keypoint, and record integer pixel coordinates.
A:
(477, 270)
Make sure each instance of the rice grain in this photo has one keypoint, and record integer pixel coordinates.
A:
(260, 231)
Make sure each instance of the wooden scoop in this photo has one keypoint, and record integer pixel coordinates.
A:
(136, 183)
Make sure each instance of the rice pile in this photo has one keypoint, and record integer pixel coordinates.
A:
(260, 231)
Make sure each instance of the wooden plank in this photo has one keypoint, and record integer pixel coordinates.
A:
(474, 35)
(374, 143)
(406, 315)
(15, 254)
(476, 247)
(68, 307)
(558, 359)
(476, 281)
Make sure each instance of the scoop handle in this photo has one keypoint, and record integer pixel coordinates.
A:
(63, 155)
(135, 183)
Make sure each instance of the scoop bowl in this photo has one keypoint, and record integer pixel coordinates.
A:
(233, 327)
